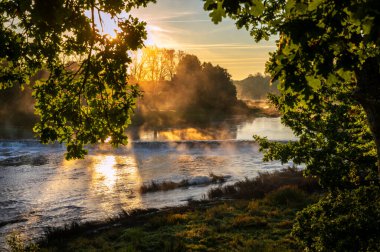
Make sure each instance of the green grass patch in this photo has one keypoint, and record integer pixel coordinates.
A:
(235, 225)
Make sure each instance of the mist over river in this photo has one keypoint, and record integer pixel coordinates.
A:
(40, 189)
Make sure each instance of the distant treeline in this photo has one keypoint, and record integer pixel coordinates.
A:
(175, 82)
(255, 87)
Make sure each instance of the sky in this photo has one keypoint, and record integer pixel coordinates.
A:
(184, 25)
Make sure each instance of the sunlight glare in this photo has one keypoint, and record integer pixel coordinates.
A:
(105, 170)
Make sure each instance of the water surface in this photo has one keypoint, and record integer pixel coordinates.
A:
(40, 189)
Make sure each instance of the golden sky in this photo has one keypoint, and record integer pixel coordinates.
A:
(184, 25)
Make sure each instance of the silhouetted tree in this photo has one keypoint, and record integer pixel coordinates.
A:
(203, 87)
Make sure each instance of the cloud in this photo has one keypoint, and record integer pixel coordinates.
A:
(156, 28)
(184, 25)
(165, 16)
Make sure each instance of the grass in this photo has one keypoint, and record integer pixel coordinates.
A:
(236, 224)
(216, 226)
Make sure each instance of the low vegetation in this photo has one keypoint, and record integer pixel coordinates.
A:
(154, 186)
(258, 187)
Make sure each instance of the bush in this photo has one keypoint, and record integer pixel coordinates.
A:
(341, 221)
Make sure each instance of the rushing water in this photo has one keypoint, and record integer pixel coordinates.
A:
(40, 189)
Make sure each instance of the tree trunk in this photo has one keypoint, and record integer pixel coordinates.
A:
(368, 95)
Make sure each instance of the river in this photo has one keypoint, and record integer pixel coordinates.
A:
(40, 189)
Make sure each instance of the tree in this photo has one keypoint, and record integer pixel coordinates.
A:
(322, 43)
(86, 97)
(328, 66)
(344, 221)
(202, 87)
(216, 91)
(152, 66)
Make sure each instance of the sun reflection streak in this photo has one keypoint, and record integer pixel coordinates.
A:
(105, 170)
(116, 180)
(131, 181)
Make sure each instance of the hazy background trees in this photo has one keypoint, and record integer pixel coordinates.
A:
(176, 84)
(255, 87)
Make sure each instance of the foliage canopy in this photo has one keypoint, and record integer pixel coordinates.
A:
(328, 66)
(85, 97)
(325, 47)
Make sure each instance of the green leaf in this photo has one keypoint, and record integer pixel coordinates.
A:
(290, 4)
(313, 82)
(218, 13)
(314, 4)
(257, 8)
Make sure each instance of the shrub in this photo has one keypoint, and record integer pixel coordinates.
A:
(346, 220)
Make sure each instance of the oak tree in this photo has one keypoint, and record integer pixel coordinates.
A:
(85, 97)
(323, 44)
(328, 66)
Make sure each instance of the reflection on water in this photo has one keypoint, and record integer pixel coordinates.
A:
(104, 171)
(229, 129)
(265, 127)
(180, 134)
(36, 195)
(191, 133)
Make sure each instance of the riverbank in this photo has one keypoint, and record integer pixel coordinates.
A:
(261, 223)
